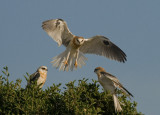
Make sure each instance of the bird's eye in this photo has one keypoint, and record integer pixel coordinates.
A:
(95, 70)
(106, 42)
(43, 68)
(80, 40)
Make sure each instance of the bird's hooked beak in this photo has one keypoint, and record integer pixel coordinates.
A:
(80, 40)
(95, 70)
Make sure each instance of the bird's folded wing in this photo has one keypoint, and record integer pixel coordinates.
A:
(101, 45)
(116, 82)
(57, 29)
(34, 76)
(111, 77)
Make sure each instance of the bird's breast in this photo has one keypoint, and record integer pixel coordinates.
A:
(42, 78)
(107, 84)
(43, 74)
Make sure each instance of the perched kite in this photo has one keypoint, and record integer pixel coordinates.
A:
(110, 83)
(77, 46)
(40, 75)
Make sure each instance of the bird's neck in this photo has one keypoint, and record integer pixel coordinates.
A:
(99, 75)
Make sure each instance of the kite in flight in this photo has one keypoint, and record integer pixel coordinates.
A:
(77, 46)
(110, 83)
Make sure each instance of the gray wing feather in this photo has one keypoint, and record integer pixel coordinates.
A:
(101, 45)
(57, 29)
(116, 81)
(111, 77)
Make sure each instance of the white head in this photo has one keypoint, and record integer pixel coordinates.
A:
(79, 40)
(42, 69)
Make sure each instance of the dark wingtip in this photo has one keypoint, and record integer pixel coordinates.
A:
(124, 60)
(60, 19)
(130, 94)
(123, 57)
(127, 91)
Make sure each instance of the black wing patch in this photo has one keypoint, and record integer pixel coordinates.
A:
(34, 77)
(106, 42)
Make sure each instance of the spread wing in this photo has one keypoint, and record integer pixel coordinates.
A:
(116, 82)
(57, 29)
(101, 45)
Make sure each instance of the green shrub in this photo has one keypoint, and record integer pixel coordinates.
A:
(84, 98)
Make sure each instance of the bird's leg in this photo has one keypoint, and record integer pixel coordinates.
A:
(66, 61)
(76, 64)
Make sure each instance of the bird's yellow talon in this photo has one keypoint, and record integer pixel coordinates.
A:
(66, 62)
(76, 64)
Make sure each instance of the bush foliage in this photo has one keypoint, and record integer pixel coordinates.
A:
(84, 98)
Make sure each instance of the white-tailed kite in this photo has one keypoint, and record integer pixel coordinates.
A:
(77, 46)
(40, 75)
(110, 83)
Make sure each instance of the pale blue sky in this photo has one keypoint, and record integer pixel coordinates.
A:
(132, 25)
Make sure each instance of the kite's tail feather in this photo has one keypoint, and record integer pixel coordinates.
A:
(116, 104)
(59, 60)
